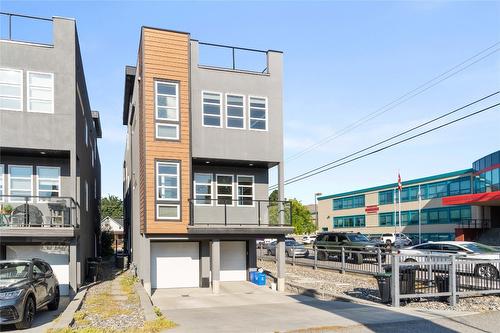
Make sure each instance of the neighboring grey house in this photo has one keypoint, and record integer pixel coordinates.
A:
(201, 139)
(50, 172)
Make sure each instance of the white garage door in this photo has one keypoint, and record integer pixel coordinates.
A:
(56, 255)
(175, 265)
(233, 261)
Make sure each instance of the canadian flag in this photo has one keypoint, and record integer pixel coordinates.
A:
(400, 184)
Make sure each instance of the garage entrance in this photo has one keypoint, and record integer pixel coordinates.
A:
(233, 261)
(175, 265)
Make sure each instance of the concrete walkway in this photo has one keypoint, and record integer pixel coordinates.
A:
(244, 307)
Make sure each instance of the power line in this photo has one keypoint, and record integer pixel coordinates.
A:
(308, 175)
(402, 133)
(398, 101)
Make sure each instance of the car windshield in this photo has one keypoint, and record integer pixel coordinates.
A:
(480, 248)
(14, 270)
(292, 243)
(357, 238)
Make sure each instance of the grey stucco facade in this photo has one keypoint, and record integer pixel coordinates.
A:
(65, 138)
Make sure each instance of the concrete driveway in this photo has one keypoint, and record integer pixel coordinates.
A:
(245, 307)
(43, 319)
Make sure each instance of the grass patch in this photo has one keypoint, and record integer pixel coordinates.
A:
(157, 311)
(104, 306)
(127, 282)
(155, 326)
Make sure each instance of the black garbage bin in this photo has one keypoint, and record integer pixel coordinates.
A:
(384, 286)
(407, 279)
(442, 283)
(93, 267)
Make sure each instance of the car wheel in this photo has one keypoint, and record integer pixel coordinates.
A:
(358, 258)
(321, 255)
(287, 254)
(28, 314)
(487, 271)
(269, 253)
(54, 304)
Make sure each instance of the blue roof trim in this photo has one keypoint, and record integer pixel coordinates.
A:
(394, 185)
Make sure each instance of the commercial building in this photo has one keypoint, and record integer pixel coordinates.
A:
(462, 204)
(201, 138)
(49, 160)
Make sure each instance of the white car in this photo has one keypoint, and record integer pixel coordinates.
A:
(308, 239)
(467, 250)
(395, 239)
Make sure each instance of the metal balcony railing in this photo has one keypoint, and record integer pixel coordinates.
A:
(33, 211)
(31, 25)
(239, 212)
(474, 224)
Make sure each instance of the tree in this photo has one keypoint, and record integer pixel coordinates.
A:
(301, 217)
(112, 206)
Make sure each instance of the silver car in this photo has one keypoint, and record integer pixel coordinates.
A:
(292, 248)
(25, 287)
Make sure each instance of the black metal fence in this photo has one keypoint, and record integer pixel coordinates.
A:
(26, 27)
(233, 57)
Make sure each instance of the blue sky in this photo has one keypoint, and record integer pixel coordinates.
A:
(343, 60)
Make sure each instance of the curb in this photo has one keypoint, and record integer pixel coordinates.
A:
(146, 303)
(66, 317)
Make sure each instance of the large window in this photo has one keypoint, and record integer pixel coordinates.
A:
(203, 189)
(245, 190)
(167, 189)
(167, 110)
(445, 215)
(386, 219)
(235, 111)
(225, 190)
(48, 181)
(355, 221)
(386, 197)
(258, 113)
(11, 89)
(20, 182)
(349, 202)
(40, 92)
(212, 109)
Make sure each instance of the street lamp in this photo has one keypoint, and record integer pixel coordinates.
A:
(316, 195)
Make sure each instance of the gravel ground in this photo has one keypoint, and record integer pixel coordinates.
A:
(365, 287)
(107, 306)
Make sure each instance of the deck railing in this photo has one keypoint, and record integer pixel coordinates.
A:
(8, 19)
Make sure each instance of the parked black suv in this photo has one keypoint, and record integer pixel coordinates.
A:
(25, 287)
(330, 244)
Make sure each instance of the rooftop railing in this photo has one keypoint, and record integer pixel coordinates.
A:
(26, 28)
(32, 211)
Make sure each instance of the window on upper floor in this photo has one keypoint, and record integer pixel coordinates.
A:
(386, 197)
(167, 184)
(167, 110)
(349, 202)
(258, 113)
(203, 189)
(235, 111)
(245, 190)
(20, 181)
(11, 89)
(48, 181)
(212, 115)
(40, 92)
(225, 190)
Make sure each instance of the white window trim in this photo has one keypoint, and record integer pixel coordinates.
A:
(223, 195)
(177, 197)
(86, 196)
(31, 182)
(211, 189)
(28, 91)
(22, 89)
(228, 117)
(38, 182)
(221, 118)
(165, 137)
(177, 217)
(176, 100)
(250, 114)
(238, 196)
(2, 182)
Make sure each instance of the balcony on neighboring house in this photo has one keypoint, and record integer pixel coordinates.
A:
(32, 216)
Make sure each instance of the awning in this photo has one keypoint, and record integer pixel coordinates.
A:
(477, 199)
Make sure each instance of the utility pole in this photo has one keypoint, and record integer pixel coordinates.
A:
(316, 195)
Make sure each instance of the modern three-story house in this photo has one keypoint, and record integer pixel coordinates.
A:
(49, 159)
(201, 139)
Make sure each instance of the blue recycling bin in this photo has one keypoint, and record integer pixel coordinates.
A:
(253, 277)
(261, 279)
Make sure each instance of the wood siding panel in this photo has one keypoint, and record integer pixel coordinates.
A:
(165, 57)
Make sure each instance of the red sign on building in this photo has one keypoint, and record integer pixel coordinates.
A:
(373, 209)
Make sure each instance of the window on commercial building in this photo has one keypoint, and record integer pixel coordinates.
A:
(245, 190)
(355, 221)
(20, 182)
(167, 110)
(386, 197)
(40, 92)
(386, 219)
(459, 186)
(235, 111)
(258, 113)
(203, 189)
(11, 89)
(225, 190)
(48, 181)
(349, 202)
(167, 183)
(212, 115)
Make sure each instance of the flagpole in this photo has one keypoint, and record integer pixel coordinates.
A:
(399, 204)
(394, 206)
(419, 215)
